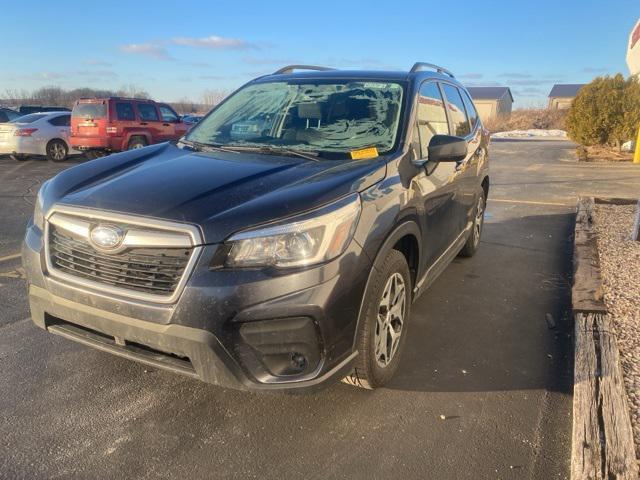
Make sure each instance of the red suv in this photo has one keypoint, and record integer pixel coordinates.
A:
(103, 125)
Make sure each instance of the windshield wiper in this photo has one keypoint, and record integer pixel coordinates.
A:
(206, 147)
(271, 150)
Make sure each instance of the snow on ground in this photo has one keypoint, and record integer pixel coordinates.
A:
(532, 132)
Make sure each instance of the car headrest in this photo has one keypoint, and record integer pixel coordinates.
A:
(309, 110)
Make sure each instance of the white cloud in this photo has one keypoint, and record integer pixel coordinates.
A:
(152, 50)
(96, 62)
(214, 42)
(97, 73)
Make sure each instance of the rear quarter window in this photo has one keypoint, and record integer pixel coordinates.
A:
(89, 110)
(61, 121)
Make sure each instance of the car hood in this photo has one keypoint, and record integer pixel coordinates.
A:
(221, 193)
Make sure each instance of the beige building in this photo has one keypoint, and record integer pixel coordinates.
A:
(491, 101)
(562, 94)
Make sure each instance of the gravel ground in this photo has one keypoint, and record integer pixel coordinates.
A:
(620, 264)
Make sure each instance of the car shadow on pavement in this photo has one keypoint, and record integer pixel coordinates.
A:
(501, 320)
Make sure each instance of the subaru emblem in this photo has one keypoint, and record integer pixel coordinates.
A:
(107, 237)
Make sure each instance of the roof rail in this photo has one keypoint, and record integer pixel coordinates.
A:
(418, 66)
(291, 68)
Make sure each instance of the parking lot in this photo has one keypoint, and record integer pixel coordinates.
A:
(484, 389)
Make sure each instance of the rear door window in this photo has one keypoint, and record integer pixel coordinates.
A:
(61, 121)
(148, 112)
(432, 116)
(457, 111)
(168, 115)
(471, 109)
(89, 110)
(124, 111)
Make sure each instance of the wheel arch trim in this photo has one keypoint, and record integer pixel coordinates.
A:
(408, 227)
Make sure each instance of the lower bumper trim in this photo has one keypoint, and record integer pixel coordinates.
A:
(108, 344)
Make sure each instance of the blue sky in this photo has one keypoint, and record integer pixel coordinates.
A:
(180, 49)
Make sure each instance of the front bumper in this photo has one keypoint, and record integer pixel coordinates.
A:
(249, 330)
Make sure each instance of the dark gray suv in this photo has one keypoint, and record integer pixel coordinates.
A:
(281, 242)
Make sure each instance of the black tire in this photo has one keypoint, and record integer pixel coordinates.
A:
(368, 372)
(136, 142)
(57, 150)
(93, 154)
(473, 242)
(19, 158)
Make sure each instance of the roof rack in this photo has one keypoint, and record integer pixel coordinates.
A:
(291, 68)
(418, 66)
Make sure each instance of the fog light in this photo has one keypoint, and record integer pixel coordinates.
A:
(282, 347)
(298, 362)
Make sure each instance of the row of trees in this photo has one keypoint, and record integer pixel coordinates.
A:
(605, 112)
(60, 97)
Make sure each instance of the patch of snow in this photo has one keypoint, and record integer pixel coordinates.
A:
(629, 146)
(532, 132)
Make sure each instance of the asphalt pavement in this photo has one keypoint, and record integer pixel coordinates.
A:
(483, 391)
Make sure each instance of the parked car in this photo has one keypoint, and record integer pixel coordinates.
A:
(191, 120)
(7, 114)
(281, 243)
(27, 109)
(104, 125)
(37, 134)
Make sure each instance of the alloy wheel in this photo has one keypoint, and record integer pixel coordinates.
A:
(57, 151)
(390, 320)
(478, 221)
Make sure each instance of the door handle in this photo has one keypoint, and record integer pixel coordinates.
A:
(166, 124)
(143, 123)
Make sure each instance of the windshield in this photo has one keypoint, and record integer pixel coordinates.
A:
(318, 116)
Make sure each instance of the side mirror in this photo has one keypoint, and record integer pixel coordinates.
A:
(447, 148)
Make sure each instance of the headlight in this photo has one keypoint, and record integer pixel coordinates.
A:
(307, 239)
(38, 213)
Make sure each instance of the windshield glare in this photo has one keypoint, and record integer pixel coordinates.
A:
(320, 117)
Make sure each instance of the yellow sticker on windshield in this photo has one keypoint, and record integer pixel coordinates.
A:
(363, 153)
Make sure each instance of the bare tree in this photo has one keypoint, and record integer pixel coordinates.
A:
(213, 97)
(133, 91)
(186, 105)
(50, 96)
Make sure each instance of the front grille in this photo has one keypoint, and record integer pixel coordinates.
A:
(150, 270)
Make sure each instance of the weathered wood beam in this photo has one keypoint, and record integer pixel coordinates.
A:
(635, 231)
(602, 445)
(587, 295)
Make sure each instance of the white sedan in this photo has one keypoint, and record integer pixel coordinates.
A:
(37, 134)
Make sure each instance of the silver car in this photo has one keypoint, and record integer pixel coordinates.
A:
(44, 133)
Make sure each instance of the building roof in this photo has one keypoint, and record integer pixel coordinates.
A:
(565, 90)
(489, 93)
